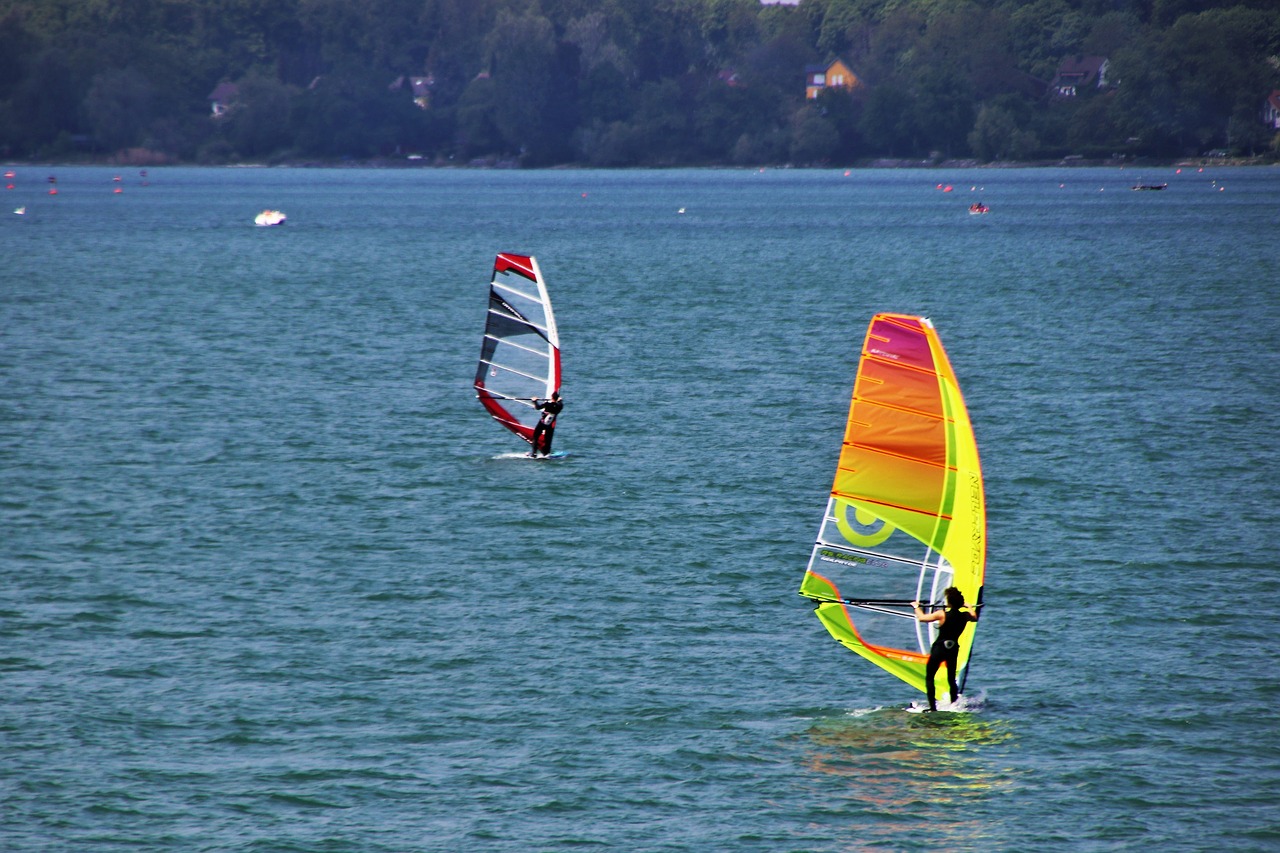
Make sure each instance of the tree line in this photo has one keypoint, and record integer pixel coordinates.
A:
(617, 83)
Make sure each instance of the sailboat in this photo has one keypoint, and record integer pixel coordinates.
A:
(906, 517)
(520, 353)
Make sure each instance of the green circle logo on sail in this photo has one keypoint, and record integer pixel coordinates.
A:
(864, 528)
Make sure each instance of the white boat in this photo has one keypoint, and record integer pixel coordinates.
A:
(269, 217)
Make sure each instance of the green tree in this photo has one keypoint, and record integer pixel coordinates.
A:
(723, 113)
(728, 28)
(258, 125)
(841, 110)
(943, 113)
(351, 113)
(1042, 32)
(814, 139)
(596, 48)
(17, 46)
(1001, 131)
(478, 131)
(657, 134)
(118, 108)
(846, 27)
(455, 32)
(535, 109)
(1179, 88)
(992, 134)
(46, 102)
(662, 123)
(665, 43)
(1110, 32)
(887, 124)
(768, 146)
(605, 95)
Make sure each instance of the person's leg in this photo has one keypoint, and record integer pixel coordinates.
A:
(953, 660)
(546, 439)
(930, 670)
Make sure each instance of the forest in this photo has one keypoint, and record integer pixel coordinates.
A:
(619, 83)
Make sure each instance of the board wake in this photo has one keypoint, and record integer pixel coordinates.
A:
(962, 705)
(559, 454)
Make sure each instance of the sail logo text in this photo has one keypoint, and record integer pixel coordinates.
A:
(827, 555)
(975, 503)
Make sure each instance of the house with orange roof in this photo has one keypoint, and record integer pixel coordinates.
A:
(834, 75)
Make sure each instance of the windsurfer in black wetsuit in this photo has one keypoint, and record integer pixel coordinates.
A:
(546, 428)
(951, 624)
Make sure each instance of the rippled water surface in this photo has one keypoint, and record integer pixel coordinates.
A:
(270, 579)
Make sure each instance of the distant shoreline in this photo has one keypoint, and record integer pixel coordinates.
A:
(496, 164)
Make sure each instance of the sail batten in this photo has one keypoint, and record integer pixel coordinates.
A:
(512, 371)
(901, 508)
(512, 343)
(906, 514)
(520, 347)
(522, 320)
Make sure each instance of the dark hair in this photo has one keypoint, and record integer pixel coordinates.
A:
(955, 598)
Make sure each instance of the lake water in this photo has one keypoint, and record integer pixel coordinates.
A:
(271, 580)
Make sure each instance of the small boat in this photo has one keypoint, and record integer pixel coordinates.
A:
(978, 207)
(269, 217)
(1148, 186)
(20, 210)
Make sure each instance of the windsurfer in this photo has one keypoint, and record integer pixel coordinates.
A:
(546, 428)
(946, 648)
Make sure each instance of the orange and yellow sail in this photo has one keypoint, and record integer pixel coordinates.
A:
(906, 517)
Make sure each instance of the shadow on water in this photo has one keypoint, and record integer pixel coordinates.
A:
(884, 777)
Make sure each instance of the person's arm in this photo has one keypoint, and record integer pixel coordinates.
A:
(921, 616)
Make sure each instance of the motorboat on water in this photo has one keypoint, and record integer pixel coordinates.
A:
(269, 217)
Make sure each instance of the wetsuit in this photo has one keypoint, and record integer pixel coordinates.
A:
(947, 649)
(546, 428)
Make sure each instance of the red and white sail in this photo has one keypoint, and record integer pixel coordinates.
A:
(520, 354)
